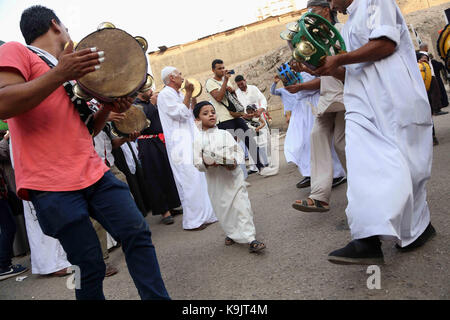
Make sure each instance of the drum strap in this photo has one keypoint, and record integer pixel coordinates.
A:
(86, 114)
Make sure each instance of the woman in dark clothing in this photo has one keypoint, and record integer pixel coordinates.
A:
(155, 162)
(439, 69)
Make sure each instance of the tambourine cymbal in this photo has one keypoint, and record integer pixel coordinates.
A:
(198, 88)
(287, 35)
(293, 26)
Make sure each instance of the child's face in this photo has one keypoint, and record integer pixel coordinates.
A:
(250, 112)
(423, 59)
(208, 116)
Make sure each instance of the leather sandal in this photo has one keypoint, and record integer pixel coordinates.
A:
(256, 246)
(317, 206)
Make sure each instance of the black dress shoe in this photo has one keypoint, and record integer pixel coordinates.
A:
(338, 181)
(440, 113)
(429, 233)
(249, 172)
(305, 183)
(362, 251)
(168, 220)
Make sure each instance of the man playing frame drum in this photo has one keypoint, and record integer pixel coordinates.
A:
(57, 167)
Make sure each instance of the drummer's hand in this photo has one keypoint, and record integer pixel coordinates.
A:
(294, 88)
(189, 87)
(133, 136)
(329, 67)
(113, 116)
(74, 65)
(276, 79)
(119, 105)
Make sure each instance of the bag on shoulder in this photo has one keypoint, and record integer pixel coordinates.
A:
(233, 103)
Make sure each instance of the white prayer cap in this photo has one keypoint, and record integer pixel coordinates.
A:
(166, 72)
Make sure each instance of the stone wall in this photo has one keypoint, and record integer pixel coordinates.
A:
(244, 43)
(234, 46)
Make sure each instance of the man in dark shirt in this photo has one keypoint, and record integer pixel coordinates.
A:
(155, 162)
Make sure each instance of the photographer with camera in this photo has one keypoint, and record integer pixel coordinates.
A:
(230, 112)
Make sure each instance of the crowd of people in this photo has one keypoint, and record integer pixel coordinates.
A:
(75, 176)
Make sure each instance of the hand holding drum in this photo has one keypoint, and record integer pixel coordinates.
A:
(189, 87)
(74, 65)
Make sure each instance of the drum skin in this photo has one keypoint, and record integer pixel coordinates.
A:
(134, 120)
(425, 71)
(124, 70)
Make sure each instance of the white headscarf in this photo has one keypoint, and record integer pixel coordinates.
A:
(166, 72)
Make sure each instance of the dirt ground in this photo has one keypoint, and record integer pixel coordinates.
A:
(198, 266)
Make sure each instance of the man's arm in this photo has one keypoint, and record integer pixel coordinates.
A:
(118, 142)
(18, 96)
(219, 94)
(374, 50)
(310, 85)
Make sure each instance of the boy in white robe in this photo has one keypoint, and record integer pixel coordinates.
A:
(217, 154)
(388, 132)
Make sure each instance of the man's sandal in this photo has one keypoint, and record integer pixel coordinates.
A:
(304, 206)
(229, 241)
(257, 246)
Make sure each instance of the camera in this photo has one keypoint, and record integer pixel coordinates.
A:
(231, 72)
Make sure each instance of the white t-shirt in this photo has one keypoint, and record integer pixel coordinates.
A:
(252, 96)
(222, 112)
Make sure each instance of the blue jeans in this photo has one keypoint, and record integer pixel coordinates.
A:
(7, 233)
(65, 216)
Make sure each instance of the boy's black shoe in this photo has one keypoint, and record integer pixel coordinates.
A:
(361, 251)
(429, 233)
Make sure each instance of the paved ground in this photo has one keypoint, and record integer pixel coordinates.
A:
(197, 265)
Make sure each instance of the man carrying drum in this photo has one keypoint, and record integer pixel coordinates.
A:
(57, 167)
(329, 128)
(388, 132)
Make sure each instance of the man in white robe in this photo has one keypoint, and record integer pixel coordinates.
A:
(297, 146)
(177, 120)
(388, 132)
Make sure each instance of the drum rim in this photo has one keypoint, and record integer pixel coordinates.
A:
(98, 95)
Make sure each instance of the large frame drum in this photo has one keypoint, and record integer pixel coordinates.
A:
(124, 70)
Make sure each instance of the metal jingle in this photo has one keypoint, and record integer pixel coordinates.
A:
(297, 57)
(310, 20)
(143, 43)
(105, 25)
(148, 84)
(79, 93)
(293, 27)
(74, 45)
(306, 48)
(287, 35)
